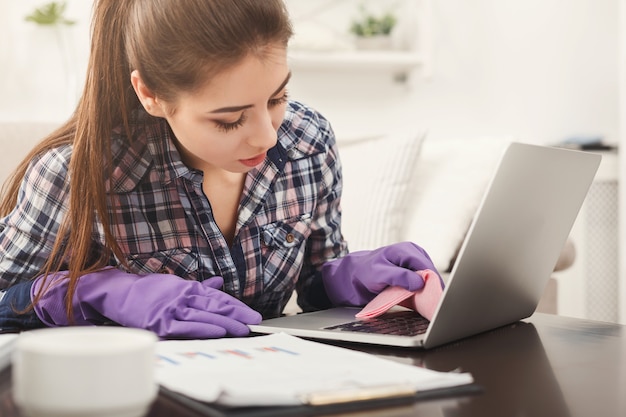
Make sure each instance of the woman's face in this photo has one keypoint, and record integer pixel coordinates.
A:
(231, 123)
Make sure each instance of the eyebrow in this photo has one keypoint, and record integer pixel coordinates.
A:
(232, 109)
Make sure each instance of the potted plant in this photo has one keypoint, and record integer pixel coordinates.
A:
(373, 31)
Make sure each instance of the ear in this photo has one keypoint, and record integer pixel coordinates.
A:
(146, 97)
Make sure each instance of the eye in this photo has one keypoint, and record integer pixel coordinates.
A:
(278, 100)
(228, 127)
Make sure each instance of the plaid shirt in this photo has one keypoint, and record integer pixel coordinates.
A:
(288, 223)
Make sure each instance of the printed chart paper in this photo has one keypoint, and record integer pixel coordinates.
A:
(280, 369)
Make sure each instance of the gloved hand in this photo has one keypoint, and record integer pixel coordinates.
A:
(358, 277)
(165, 304)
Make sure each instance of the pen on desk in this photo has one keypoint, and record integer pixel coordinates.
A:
(354, 394)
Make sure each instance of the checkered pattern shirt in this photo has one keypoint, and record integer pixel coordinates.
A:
(288, 223)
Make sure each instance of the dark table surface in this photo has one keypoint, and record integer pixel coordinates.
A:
(545, 365)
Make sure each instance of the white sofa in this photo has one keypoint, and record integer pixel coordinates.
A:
(397, 186)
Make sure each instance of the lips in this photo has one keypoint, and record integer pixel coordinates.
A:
(254, 161)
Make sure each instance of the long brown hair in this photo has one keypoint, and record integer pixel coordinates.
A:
(176, 45)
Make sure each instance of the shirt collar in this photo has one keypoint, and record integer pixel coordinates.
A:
(299, 134)
(150, 152)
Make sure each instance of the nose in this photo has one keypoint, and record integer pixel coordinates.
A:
(265, 134)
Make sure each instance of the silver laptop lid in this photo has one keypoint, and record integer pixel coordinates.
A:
(514, 240)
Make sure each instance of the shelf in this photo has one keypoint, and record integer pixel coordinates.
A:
(410, 52)
(394, 62)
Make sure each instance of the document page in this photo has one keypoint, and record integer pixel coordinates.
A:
(280, 369)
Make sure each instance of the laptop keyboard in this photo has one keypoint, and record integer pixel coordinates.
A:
(399, 323)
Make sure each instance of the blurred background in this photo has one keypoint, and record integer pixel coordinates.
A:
(542, 71)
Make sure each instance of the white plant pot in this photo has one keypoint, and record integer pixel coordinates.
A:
(377, 42)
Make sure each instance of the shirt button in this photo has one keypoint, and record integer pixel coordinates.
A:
(289, 238)
(164, 270)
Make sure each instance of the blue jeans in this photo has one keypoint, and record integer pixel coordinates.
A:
(13, 301)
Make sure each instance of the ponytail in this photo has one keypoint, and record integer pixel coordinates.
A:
(107, 101)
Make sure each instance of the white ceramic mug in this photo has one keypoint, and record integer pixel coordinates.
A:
(84, 371)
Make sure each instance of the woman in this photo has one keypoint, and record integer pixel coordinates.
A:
(186, 195)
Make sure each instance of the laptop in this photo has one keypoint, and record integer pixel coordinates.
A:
(503, 265)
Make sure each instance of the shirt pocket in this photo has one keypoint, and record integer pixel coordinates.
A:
(181, 262)
(283, 246)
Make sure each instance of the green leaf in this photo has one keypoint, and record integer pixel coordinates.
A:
(371, 25)
(50, 14)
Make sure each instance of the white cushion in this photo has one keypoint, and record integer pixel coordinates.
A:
(16, 140)
(377, 172)
(449, 183)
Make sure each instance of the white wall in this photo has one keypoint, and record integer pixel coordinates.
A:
(622, 160)
(541, 70)
(33, 81)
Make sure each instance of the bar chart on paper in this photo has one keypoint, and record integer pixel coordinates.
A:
(198, 356)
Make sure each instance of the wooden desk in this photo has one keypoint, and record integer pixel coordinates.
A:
(544, 366)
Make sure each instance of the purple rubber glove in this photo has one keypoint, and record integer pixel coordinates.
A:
(358, 277)
(165, 304)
